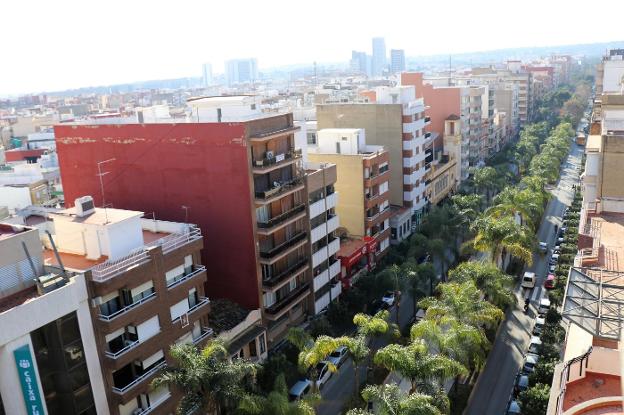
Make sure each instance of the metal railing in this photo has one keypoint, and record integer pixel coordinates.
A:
(118, 353)
(565, 373)
(153, 405)
(126, 308)
(295, 239)
(208, 332)
(279, 306)
(282, 217)
(139, 379)
(196, 270)
(280, 188)
(202, 301)
(277, 159)
(273, 280)
(109, 269)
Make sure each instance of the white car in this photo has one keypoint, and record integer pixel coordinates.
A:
(528, 280)
(338, 356)
(539, 326)
(544, 306)
(543, 247)
(534, 345)
(322, 374)
(529, 363)
(388, 298)
(554, 259)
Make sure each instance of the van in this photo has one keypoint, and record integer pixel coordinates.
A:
(528, 280)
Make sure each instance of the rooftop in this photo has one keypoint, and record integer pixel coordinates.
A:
(349, 246)
(606, 233)
(100, 217)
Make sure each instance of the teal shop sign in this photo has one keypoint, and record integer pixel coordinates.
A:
(28, 379)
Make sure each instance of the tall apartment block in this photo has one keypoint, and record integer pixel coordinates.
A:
(397, 60)
(240, 71)
(379, 56)
(362, 182)
(395, 119)
(323, 201)
(228, 168)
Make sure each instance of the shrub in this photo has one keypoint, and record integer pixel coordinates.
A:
(534, 401)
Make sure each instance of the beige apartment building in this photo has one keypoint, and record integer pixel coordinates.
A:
(363, 177)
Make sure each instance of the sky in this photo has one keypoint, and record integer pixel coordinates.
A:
(54, 45)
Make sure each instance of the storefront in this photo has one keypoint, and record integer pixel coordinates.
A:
(356, 255)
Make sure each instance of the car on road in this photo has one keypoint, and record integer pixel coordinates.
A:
(299, 390)
(538, 326)
(513, 408)
(338, 356)
(550, 281)
(552, 268)
(528, 280)
(530, 360)
(534, 345)
(544, 306)
(322, 374)
(554, 259)
(388, 298)
(556, 249)
(522, 383)
(377, 306)
(543, 247)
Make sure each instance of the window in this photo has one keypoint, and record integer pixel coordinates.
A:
(337, 148)
(252, 348)
(311, 138)
(262, 342)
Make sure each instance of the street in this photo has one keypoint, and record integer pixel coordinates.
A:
(494, 386)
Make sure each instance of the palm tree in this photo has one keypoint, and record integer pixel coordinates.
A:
(276, 402)
(514, 202)
(426, 371)
(489, 279)
(418, 280)
(486, 180)
(437, 248)
(312, 352)
(417, 245)
(208, 379)
(494, 235)
(394, 274)
(462, 302)
(389, 400)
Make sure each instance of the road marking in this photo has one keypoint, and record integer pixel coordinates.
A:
(536, 292)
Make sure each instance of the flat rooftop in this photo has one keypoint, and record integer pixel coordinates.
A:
(101, 216)
(608, 227)
(349, 246)
(8, 231)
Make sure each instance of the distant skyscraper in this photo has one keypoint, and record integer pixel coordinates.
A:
(206, 75)
(379, 55)
(240, 71)
(397, 60)
(359, 62)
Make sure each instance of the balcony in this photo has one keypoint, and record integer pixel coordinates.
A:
(139, 379)
(284, 246)
(265, 136)
(126, 309)
(195, 271)
(376, 179)
(129, 345)
(325, 252)
(323, 204)
(427, 135)
(203, 301)
(298, 267)
(427, 120)
(336, 290)
(292, 297)
(152, 406)
(278, 189)
(206, 332)
(334, 268)
(268, 164)
(282, 219)
(324, 228)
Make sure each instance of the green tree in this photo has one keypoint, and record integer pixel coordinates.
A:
(534, 400)
(394, 274)
(495, 235)
(486, 180)
(463, 302)
(389, 400)
(312, 352)
(208, 379)
(426, 371)
(495, 285)
(419, 280)
(276, 402)
(513, 202)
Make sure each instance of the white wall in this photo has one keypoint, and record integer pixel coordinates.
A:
(15, 197)
(612, 79)
(349, 139)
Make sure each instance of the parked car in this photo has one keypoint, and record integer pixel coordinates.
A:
(299, 390)
(544, 306)
(563, 230)
(552, 268)
(556, 249)
(376, 306)
(388, 298)
(338, 356)
(513, 408)
(534, 345)
(549, 282)
(322, 374)
(528, 280)
(522, 383)
(530, 360)
(554, 259)
(538, 326)
(543, 247)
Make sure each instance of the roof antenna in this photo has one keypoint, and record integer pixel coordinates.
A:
(101, 175)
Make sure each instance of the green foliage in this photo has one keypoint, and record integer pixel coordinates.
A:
(276, 402)
(389, 400)
(494, 283)
(534, 400)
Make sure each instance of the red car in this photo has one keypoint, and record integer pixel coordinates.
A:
(549, 283)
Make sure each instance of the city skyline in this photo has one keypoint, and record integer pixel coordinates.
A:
(104, 57)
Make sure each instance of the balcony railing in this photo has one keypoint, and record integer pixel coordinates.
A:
(278, 158)
(120, 352)
(139, 379)
(153, 405)
(279, 188)
(109, 269)
(427, 119)
(283, 246)
(282, 217)
(202, 301)
(197, 269)
(127, 308)
(274, 280)
(207, 332)
(279, 306)
(427, 135)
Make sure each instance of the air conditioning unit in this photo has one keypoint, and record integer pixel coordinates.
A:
(84, 206)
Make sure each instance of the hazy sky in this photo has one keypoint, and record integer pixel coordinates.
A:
(52, 45)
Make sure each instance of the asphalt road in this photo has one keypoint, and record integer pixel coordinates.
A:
(494, 386)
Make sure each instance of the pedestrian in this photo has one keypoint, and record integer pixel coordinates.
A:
(556, 228)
